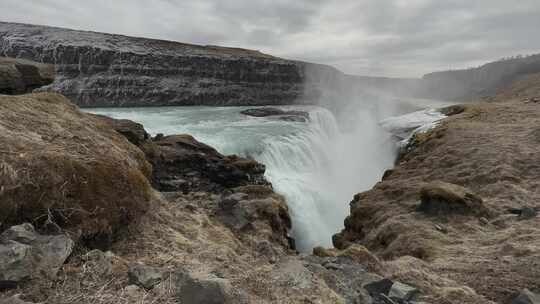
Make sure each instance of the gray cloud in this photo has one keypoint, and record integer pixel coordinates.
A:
(368, 37)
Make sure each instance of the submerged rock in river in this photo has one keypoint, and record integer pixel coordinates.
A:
(292, 115)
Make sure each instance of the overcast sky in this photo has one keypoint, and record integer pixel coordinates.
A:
(365, 37)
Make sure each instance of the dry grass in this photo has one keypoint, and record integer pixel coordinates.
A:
(58, 161)
(491, 149)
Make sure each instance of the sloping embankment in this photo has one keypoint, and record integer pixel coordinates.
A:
(459, 245)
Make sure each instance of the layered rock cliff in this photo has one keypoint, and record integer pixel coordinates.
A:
(97, 69)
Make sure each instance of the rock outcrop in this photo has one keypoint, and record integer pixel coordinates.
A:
(26, 255)
(59, 165)
(96, 69)
(440, 198)
(19, 76)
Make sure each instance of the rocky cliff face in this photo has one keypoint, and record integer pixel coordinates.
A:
(96, 69)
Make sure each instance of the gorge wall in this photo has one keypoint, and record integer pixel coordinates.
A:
(97, 69)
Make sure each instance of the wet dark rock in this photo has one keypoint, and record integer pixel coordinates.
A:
(25, 254)
(183, 158)
(525, 212)
(293, 115)
(145, 276)
(181, 163)
(375, 289)
(526, 297)
(440, 198)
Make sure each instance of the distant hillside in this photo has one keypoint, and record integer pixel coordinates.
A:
(481, 81)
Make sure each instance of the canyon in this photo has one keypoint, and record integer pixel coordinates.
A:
(99, 209)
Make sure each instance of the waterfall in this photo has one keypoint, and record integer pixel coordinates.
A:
(320, 168)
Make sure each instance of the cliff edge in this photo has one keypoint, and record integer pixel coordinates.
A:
(98, 69)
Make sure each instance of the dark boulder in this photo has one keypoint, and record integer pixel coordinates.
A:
(182, 157)
(145, 276)
(526, 297)
(525, 213)
(26, 254)
(293, 115)
(440, 198)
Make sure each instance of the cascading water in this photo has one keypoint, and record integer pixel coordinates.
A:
(320, 169)
(318, 166)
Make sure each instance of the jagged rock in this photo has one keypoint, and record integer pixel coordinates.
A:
(182, 157)
(25, 254)
(402, 292)
(526, 297)
(192, 289)
(96, 69)
(440, 198)
(145, 276)
(375, 289)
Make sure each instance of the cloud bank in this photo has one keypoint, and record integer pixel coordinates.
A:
(405, 38)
